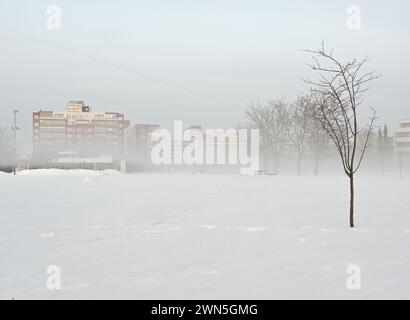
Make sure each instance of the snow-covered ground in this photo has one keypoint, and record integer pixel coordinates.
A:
(143, 236)
(71, 172)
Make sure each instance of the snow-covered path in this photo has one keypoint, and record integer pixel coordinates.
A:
(151, 236)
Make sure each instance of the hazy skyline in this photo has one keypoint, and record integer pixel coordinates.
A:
(201, 63)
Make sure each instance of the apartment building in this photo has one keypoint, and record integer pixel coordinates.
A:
(402, 137)
(78, 135)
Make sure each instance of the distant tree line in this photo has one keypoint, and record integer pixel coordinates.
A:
(288, 127)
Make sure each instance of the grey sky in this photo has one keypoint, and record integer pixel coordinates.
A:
(196, 61)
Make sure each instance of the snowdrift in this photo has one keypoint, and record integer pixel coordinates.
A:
(71, 172)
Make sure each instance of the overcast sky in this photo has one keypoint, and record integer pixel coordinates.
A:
(196, 61)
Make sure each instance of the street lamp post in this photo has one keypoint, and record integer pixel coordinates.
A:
(15, 128)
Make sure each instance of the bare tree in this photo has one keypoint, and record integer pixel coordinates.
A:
(341, 86)
(271, 120)
(318, 137)
(319, 143)
(299, 127)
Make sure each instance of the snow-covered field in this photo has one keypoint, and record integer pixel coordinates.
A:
(71, 172)
(152, 236)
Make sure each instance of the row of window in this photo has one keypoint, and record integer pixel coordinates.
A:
(402, 134)
(403, 144)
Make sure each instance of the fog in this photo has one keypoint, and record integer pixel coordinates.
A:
(201, 63)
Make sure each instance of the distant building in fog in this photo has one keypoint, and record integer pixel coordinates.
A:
(139, 146)
(402, 137)
(223, 147)
(78, 137)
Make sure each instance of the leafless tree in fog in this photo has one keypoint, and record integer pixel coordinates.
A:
(342, 85)
(299, 127)
(319, 139)
(271, 120)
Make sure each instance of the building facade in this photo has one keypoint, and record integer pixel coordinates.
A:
(402, 137)
(78, 136)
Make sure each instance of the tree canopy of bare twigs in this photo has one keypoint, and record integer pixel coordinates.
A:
(300, 127)
(339, 90)
(318, 137)
(271, 120)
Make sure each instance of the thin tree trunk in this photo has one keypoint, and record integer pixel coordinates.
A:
(299, 160)
(316, 156)
(276, 161)
(351, 180)
(265, 158)
(316, 168)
